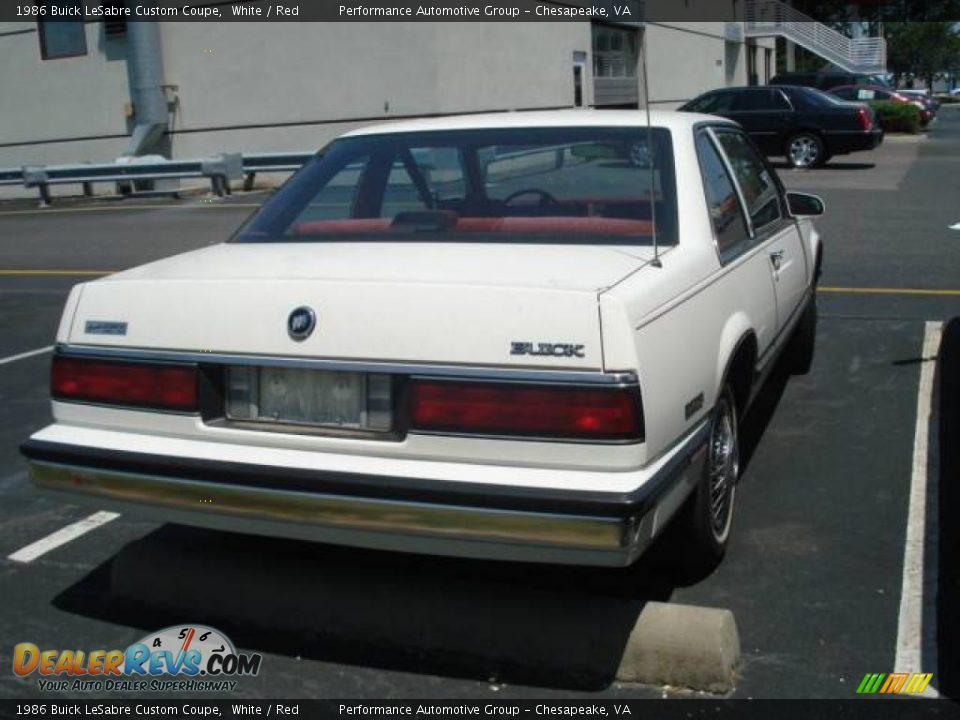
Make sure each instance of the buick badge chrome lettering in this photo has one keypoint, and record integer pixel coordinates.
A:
(301, 323)
(549, 349)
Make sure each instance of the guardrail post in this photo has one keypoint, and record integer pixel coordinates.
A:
(36, 176)
(221, 169)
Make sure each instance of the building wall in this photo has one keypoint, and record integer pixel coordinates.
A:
(48, 101)
(688, 58)
(294, 86)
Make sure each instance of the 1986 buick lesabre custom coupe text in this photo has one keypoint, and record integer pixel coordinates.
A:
(524, 336)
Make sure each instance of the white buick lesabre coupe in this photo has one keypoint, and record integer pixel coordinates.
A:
(521, 336)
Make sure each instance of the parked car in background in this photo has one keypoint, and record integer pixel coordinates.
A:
(923, 96)
(867, 93)
(802, 124)
(487, 336)
(826, 80)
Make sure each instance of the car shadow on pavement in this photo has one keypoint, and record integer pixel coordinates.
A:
(540, 625)
(761, 412)
(947, 673)
(518, 623)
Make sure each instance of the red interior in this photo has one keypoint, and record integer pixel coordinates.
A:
(518, 225)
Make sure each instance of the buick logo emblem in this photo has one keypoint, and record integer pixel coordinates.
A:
(301, 323)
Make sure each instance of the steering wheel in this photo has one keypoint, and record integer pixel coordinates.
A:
(545, 197)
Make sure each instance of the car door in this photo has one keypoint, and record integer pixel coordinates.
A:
(736, 248)
(765, 113)
(769, 223)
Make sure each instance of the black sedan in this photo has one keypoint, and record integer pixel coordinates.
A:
(804, 125)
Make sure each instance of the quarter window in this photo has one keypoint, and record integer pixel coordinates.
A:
(726, 214)
(756, 181)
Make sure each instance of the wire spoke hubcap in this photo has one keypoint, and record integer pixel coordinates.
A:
(723, 468)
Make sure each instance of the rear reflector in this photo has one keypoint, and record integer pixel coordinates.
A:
(548, 411)
(160, 386)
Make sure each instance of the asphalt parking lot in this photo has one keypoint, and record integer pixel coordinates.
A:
(820, 549)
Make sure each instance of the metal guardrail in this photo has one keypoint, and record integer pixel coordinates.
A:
(271, 162)
(220, 170)
(856, 55)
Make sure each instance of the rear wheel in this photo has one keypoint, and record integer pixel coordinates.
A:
(806, 150)
(703, 527)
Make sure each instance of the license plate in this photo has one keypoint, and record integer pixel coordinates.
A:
(321, 398)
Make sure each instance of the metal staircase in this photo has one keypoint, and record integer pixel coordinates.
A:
(765, 18)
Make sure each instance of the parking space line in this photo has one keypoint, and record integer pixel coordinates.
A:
(889, 291)
(25, 355)
(916, 640)
(62, 536)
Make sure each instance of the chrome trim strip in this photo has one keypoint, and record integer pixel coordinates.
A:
(335, 511)
(585, 377)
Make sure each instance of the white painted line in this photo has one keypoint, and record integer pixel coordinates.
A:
(916, 641)
(25, 355)
(62, 536)
(955, 226)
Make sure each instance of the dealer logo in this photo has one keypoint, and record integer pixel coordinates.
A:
(181, 658)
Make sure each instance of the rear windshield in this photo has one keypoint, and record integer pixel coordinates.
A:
(574, 185)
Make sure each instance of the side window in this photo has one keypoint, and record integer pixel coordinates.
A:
(722, 202)
(716, 103)
(756, 181)
(760, 99)
(779, 100)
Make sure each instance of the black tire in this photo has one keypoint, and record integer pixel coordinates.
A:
(805, 150)
(701, 530)
(802, 346)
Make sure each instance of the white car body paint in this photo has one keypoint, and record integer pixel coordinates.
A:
(674, 326)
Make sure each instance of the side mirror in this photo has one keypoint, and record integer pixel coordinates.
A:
(804, 204)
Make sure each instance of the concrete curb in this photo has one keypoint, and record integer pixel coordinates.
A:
(683, 646)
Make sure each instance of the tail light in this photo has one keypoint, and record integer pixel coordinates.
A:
(149, 385)
(866, 121)
(514, 409)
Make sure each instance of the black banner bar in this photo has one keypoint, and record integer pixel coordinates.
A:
(681, 709)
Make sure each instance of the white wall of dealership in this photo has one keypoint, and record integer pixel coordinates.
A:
(258, 87)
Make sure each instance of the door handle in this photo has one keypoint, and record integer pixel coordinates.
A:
(776, 258)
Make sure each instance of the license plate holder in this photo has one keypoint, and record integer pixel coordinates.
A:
(310, 398)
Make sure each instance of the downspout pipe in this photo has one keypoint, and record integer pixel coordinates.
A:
(145, 73)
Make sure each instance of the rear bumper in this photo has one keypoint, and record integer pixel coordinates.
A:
(502, 522)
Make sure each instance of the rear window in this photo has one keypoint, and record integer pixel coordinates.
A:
(575, 185)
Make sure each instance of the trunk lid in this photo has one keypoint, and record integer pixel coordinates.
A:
(400, 302)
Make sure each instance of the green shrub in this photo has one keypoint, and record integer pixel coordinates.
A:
(897, 117)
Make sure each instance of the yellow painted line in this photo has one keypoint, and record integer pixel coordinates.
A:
(118, 208)
(54, 273)
(889, 291)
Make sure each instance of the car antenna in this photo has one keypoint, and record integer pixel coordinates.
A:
(650, 154)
